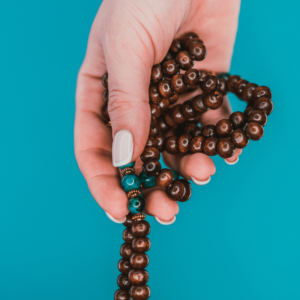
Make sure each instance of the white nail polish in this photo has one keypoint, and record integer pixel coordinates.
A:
(201, 182)
(165, 223)
(121, 221)
(122, 148)
(232, 162)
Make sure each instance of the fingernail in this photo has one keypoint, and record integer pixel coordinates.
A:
(122, 148)
(121, 221)
(165, 223)
(232, 162)
(201, 182)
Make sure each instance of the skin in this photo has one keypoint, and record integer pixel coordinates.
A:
(127, 38)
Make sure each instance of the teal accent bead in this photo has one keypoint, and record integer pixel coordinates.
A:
(131, 165)
(146, 180)
(130, 182)
(223, 75)
(176, 175)
(136, 205)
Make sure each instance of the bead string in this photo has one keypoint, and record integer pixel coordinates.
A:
(174, 76)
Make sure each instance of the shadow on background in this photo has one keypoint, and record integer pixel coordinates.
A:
(237, 238)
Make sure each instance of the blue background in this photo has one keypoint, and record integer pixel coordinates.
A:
(238, 238)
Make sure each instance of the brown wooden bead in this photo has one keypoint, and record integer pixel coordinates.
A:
(210, 146)
(175, 190)
(141, 244)
(191, 77)
(224, 128)
(151, 166)
(231, 81)
(187, 191)
(225, 148)
(154, 95)
(222, 88)
(105, 96)
(139, 260)
(170, 68)
(248, 91)
(150, 152)
(127, 235)
(197, 131)
(160, 142)
(239, 87)
(162, 127)
(151, 142)
(177, 115)
(176, 46)
(141, 228)
(183, 143)
(209, 131)
(156, 74)
(184, 60)
(124, 266)
(198, 104)
(128, 223)
(140, 292)
(104, 112)
(248, 111)
(254, 131)
(258, 116)
(209, 83)
(155, 110)
(261, 91)
(153, 131)
(126, 250)
(174, 98)
(187, 110)
(164, 178)
(170, 144)
(164, 105)
(189, 127)
(138, 277)
(178, 84)
(104, 80)
(196, 144)
(239, 138)
(165, 89)
(153, 122)
(213, 100)
(186, 37)
(169, 121)
(202, 74)
(265, 104)
(192, 41)
(121, 295)
(196, 49)
(123, 282)
(238, 120)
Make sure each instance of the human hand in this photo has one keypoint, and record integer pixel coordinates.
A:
(127, 38)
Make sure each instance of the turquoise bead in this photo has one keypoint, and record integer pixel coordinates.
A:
(131, 165)
(176, 175)
(223, 75)
(146, 180)
(136, 205)
(130, 182)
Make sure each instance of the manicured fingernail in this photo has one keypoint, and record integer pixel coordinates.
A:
(122, 148)
(165, 223)
(121, 221)
(232, 162)
(199, 182)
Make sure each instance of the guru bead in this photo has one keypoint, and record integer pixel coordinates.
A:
(141, 244)
(123, 282)
(184, 60)
(140, 292)
(121, 295)
(136, 205)
(138, 277)
(139, 260)
(225, 148)
(147, 181)
(254, 131)
(140, 228)
(239, 138)
(130, 182)
(164, 178)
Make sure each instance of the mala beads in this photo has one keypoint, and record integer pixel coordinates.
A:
(172, 77)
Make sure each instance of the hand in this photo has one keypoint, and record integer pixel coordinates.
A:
(127, 38)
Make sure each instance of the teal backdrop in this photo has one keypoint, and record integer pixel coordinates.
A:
(237, 238)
